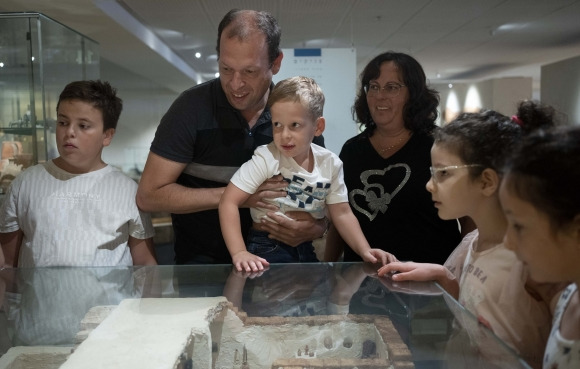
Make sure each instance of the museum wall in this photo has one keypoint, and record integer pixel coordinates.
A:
(144, 103)
(560, 87)
(500, 94)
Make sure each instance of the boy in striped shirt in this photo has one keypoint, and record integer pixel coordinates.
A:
(76, 210)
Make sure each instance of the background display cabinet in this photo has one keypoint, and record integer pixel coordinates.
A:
(38, 57)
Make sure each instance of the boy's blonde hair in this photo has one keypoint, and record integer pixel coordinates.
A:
(299, 89)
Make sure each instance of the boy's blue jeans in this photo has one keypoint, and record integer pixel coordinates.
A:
(278, 252)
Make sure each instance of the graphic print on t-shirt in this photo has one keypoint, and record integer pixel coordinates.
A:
(304, 196)
(373, 197)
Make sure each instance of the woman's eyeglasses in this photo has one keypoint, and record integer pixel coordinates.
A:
(390, 89)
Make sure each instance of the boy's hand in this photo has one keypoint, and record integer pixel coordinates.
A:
(378, 255)
(248, 262)
(242, 274)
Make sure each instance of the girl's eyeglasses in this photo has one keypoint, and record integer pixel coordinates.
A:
(439, 174)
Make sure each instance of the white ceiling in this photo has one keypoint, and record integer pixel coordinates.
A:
(454, 40)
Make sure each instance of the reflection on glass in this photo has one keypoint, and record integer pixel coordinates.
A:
(45, 306)
(324, 309)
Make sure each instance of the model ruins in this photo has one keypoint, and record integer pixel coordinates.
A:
(210, 333)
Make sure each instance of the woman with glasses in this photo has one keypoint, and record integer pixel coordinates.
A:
(483, 274)
(386, 166)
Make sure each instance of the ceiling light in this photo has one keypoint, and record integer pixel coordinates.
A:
(510, 26)
(198, 55)
(506, 28)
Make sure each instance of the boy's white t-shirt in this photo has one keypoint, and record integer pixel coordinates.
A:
(74, 219)
(307, 191)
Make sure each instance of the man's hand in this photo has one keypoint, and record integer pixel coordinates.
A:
(294, 228)
(270, 189)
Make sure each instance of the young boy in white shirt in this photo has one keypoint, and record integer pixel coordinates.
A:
(76, 210)
(314, 176)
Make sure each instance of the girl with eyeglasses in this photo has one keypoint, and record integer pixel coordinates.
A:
(540, 197)
(485, 276)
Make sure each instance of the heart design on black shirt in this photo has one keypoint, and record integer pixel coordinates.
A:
(374, 193)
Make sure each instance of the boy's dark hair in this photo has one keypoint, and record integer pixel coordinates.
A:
(100, 95)
(245, 22)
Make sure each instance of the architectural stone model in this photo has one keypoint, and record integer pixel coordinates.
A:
(210, 333)
(34, 357)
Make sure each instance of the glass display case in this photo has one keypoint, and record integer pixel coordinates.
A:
(38, 57)
(312, 315)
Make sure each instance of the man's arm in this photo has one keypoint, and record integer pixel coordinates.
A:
(11, 243)
(142, 251)
(158, 190)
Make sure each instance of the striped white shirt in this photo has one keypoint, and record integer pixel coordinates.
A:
(74, 219)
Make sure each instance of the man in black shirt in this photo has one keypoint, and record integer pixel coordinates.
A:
(208, 132)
